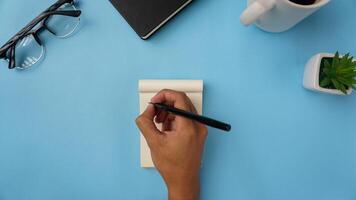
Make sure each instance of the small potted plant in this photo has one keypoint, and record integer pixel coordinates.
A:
(331, 73)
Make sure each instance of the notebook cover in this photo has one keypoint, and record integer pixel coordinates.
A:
(146, 16)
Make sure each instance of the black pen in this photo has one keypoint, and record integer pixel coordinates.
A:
(204, 120)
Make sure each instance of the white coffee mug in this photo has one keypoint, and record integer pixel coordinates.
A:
(277, 15)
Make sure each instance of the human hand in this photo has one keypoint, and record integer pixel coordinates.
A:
(177, 149)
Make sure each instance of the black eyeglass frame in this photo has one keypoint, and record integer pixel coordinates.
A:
(28, 29)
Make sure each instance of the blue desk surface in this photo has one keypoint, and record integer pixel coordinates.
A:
(67, 127)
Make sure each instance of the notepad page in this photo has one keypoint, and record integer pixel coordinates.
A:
(149, 88)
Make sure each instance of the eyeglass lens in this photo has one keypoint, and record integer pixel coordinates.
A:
(63, 26)
(28, 52)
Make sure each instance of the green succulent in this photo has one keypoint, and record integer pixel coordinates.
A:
(338, 73)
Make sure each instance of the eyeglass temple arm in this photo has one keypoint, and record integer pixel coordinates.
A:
(70, 13)
(12, 58)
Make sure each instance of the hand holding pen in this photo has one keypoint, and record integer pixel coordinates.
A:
(177, 149)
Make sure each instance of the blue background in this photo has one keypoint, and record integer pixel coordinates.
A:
(67, 127)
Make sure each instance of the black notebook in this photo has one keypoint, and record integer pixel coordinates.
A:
(147, 16)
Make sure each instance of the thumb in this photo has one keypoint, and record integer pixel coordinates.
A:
(145, 123)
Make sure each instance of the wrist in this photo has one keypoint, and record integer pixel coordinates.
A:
(189, 190)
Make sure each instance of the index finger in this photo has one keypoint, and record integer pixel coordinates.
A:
(146, 125)
(174, 98)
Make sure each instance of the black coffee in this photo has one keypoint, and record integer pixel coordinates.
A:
(303, 2)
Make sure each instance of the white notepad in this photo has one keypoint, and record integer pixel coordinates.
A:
(148, 88)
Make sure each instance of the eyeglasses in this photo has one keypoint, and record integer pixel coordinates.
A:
(25, 49)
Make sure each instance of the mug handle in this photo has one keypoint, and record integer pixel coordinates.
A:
(255, 11)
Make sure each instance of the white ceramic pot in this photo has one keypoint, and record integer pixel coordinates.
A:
(311, 75)
(277, 15)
